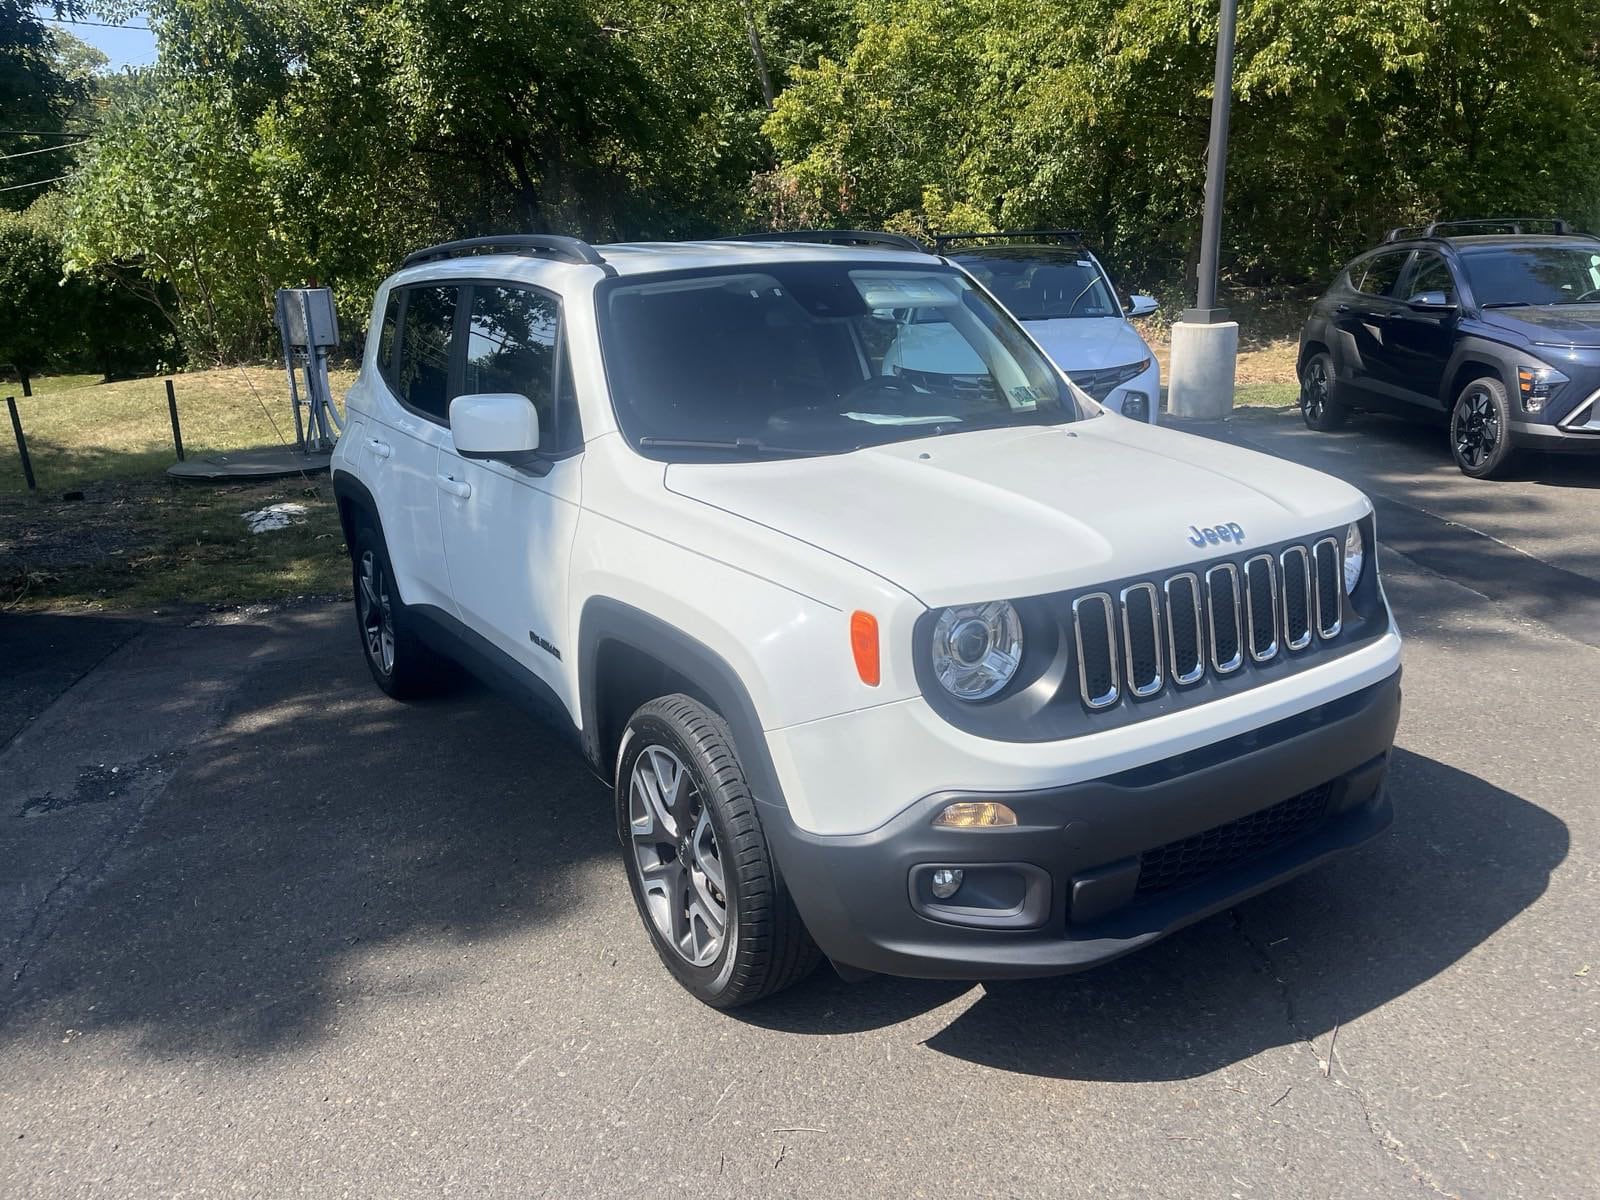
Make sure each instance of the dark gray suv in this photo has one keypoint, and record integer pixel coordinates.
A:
(1485, 324)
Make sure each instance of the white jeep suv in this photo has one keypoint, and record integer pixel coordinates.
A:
(951, 676)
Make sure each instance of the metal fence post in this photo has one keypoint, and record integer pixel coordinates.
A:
(172, 411)
(22, 444)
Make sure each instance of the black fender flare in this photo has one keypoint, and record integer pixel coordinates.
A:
(350, 493)
(606, 620)
(1473, 348)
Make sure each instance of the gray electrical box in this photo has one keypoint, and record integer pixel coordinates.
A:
(306, 317)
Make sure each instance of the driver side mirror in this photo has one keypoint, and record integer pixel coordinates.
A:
(500, 425)
(1141, 306)
(1435, 302)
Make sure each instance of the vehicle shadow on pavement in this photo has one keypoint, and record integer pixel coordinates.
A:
(1462, 859)
(323, 846)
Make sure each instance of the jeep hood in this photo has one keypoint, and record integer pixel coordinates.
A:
(1007, 513)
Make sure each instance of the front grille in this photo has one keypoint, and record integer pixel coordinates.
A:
(1154, 635)
(1103, 382)
(1192, 859)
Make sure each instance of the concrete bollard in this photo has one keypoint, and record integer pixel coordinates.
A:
(1200, 379)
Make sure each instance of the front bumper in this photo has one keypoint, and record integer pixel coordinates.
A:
(1079, 851)
(1557, 439)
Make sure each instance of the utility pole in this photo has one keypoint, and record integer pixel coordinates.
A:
(754, 35)
(1205, 344)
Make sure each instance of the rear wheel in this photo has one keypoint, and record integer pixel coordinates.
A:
(698, 863)
(1480, 429)
(401, 664)
(1319, 400)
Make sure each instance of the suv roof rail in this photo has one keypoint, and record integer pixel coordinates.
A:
(565, 249)
(942, 240)
(834, 237)
(1437, 229)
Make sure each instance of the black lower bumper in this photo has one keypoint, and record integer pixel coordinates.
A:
(1553, 439)
(1097, 869)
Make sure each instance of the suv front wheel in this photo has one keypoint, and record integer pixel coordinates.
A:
(1480, 429)
(701, 872)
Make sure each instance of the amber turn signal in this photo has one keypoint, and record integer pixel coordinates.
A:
(975, 814)
(864, 645)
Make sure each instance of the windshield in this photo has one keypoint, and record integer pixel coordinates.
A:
(1534, 275)
(815, 358)
(1044, 285)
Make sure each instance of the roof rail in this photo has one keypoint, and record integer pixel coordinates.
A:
(565, 249)
(1436, 229)
(944, 239)
(834, 237)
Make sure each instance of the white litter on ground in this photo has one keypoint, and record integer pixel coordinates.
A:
(275, 516)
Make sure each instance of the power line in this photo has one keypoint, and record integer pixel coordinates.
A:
(49, 132)
(36, 183)
(44, 149)
(96, 24)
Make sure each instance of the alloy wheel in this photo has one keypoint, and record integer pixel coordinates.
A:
(1316, 390)
(675, 849)
(376, 612)
(1475, 428)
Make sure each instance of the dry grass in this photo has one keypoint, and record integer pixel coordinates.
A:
(135, 539)
(1265, 375)
(96, 432)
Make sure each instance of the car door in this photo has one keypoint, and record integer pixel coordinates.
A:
(1366, 360)
(508, 529)
(1422, 329)
(402, 442)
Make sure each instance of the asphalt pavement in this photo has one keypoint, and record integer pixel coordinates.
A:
(264, 932)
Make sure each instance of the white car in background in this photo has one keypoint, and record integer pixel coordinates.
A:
(1062, 294)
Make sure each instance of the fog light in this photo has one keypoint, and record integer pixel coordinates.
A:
(975, 814)
(946, 882)
(1136, 406)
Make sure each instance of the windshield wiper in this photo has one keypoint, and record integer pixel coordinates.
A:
(1508, 304)
(750, 447)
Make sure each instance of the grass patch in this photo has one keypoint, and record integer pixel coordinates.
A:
(138, 540)
(104, 431)
(1266, 395)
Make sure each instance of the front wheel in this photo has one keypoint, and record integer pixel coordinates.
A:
(1480, 429)
(1319, 400)
(698, 863)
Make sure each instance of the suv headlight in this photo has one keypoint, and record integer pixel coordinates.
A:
(977, 648)
(1535, 386)
(1355, 558)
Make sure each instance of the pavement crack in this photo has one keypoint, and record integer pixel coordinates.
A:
(1389, 1145)
(147, 781)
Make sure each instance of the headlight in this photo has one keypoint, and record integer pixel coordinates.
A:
(1535, 385)
(1355, 558)
(976, 649)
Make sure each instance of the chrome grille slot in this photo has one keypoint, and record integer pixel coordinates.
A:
(1261, 607)
(1141, 639)
(1094, 630)
(1328, 569)
(1185, 628)
(1295, 564)
(1222, 599)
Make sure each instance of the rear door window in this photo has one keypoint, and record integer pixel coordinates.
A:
(426, 343)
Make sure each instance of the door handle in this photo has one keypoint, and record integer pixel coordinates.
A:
(456, 487)
(381, 449)
(1341, 308)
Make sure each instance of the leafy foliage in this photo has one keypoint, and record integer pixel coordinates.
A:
(1348, 116)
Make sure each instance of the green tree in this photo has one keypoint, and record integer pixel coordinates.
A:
(38, 93)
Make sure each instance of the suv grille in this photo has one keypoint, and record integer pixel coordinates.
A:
(1103, 382)
(1152, 634)
(1191, 859)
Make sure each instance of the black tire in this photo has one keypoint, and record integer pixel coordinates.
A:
(1480, 429)
(1320, 405)
(401, 663)
(709, 824)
